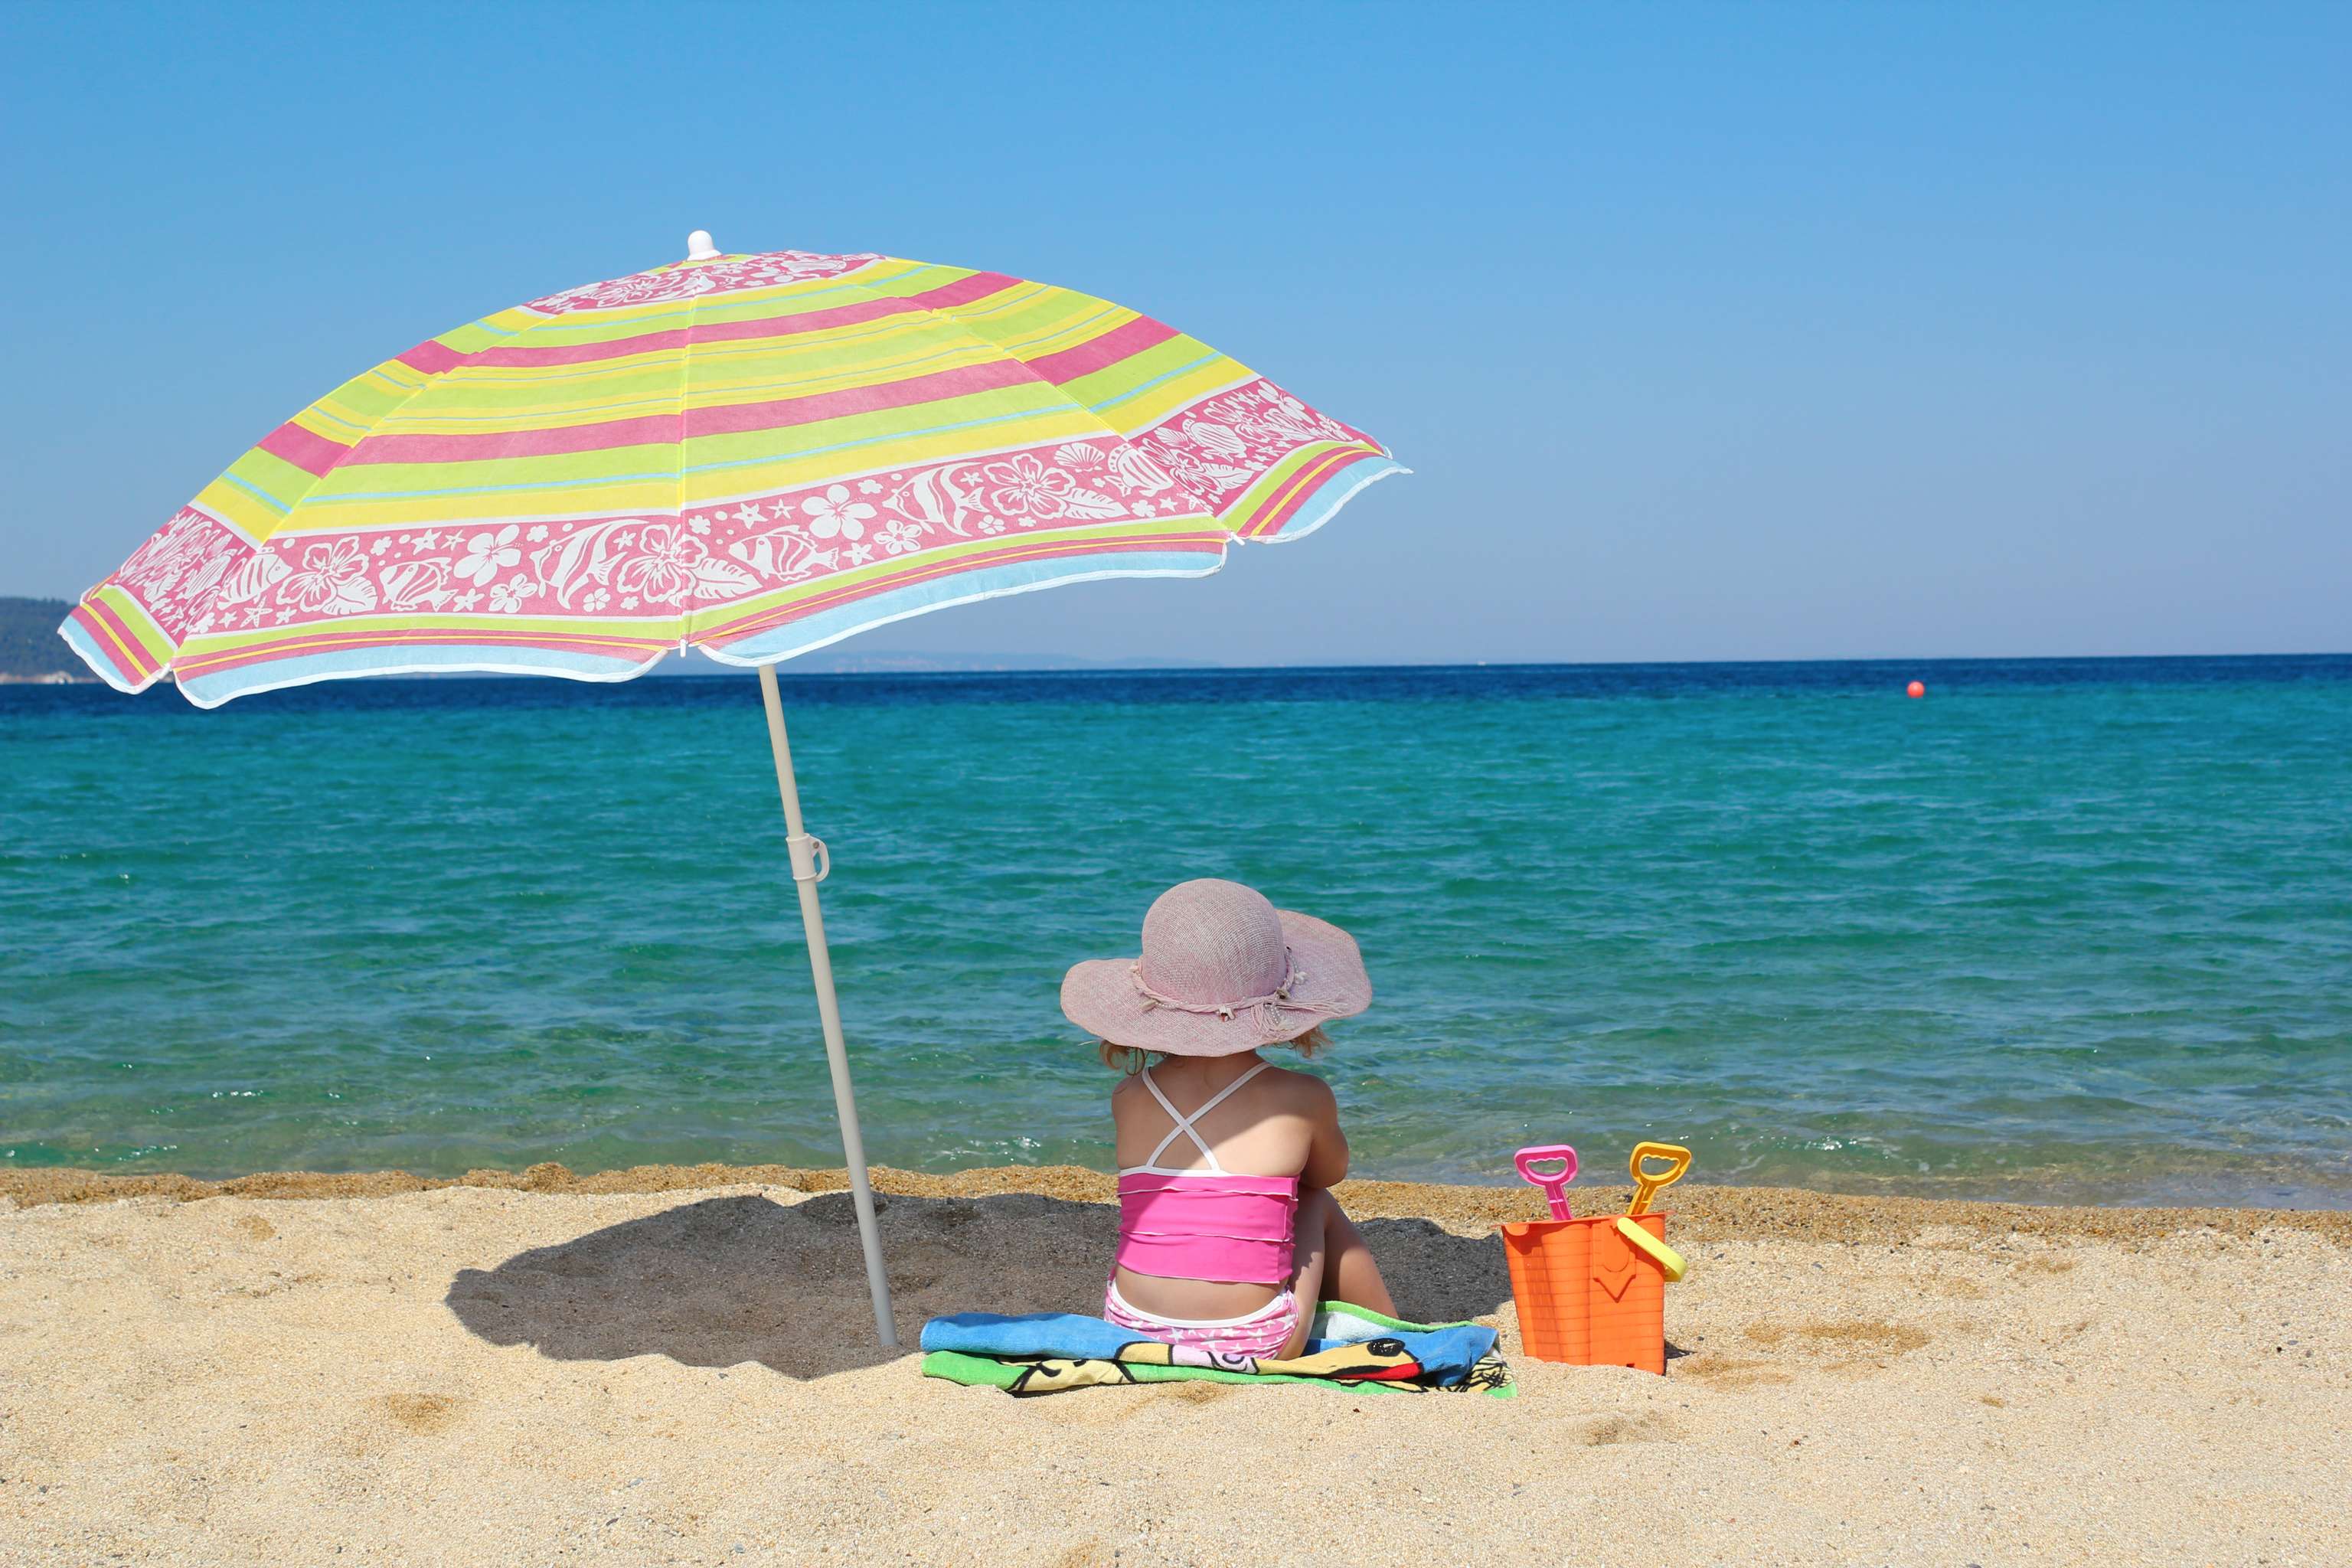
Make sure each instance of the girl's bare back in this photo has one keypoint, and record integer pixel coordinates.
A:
(1280, 1123)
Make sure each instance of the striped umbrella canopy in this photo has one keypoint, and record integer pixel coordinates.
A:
(750, 455)
(754, 455)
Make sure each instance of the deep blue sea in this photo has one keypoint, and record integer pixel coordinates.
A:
(2061, 931)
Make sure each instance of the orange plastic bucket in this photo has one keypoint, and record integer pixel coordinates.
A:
(1586, 1296)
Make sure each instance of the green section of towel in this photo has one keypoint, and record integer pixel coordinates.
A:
(972, 1371)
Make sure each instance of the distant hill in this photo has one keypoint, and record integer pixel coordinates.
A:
(30, 648)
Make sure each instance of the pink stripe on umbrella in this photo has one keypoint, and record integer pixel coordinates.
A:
(306, 449)
(432, 357)
(524, 357)
(728, 419)
(964, 291)
(1118, 343)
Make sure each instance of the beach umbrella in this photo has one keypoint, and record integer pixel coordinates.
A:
(749, 454)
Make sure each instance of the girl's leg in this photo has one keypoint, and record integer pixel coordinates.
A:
(1332, 1263)
(1349, 1272)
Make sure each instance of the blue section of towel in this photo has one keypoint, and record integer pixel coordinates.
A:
(1027, 1335)
(1447, 1352)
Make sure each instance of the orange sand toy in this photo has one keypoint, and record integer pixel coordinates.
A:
(1587, 1295)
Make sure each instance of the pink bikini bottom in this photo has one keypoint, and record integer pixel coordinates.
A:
(1260, 1333)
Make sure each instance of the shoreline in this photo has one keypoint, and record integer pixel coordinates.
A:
(1704, 1212)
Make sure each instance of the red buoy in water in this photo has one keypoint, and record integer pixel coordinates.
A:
(1917, 689)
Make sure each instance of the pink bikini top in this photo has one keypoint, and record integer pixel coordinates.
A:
(1208, 1224)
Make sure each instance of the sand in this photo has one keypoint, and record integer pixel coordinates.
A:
(674, 1366)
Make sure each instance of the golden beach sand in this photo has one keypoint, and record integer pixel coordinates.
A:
(675, 1365)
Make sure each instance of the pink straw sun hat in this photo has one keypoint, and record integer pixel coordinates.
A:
(1222, 971)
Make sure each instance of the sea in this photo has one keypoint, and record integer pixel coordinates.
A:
(2059, 930)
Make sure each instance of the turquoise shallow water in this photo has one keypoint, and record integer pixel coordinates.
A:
(2062, 931)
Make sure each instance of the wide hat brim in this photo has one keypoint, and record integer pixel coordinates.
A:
(1099, 996)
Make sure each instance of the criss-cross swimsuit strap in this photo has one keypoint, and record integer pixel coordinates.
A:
(1184, 1124)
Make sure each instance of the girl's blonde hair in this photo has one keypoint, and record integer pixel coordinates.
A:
(1135, 1059)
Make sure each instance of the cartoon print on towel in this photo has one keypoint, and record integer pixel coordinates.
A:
(1380, 1360)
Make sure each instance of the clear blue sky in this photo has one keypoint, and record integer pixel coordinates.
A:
(1712, 333)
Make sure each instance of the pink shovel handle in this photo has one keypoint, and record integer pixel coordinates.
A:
(1555, 1188)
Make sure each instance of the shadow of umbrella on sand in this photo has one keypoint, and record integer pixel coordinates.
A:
(749, 454)
(745, 1278)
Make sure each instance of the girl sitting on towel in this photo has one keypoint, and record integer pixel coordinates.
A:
(1228, 1236)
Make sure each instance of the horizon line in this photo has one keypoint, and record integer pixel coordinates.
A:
(1078, 664)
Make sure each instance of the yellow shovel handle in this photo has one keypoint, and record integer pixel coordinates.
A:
(1670, 1262)
(1647, 1185)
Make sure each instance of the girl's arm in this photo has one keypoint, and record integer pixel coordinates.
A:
(1327, 1156)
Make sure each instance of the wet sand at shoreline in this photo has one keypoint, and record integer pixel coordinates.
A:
(676, 1364)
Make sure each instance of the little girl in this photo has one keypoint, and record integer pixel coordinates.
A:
(1228, 1236)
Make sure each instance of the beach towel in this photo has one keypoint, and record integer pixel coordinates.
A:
(1348, 1346)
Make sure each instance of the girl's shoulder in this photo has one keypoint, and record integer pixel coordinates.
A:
(1302, 1090)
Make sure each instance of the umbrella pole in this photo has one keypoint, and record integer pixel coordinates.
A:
(810, 864)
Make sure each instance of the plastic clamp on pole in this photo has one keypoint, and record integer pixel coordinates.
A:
(812, 862)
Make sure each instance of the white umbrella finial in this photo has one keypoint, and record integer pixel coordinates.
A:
(698, 247)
